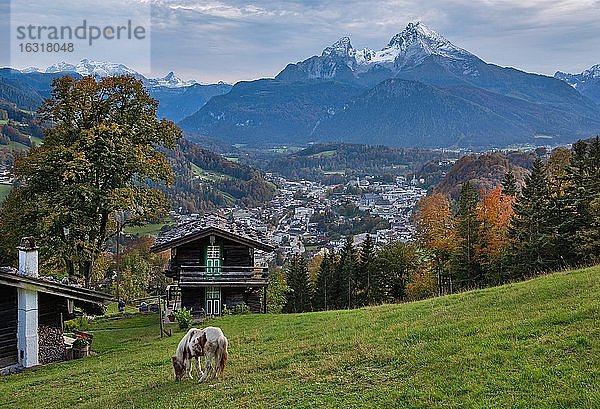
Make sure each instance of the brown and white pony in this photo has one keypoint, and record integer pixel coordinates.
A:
(208, 342)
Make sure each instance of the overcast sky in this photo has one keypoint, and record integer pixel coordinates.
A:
(234, 40)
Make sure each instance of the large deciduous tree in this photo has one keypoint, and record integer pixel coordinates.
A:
(494, 213)
(436, 230)
(100, 152)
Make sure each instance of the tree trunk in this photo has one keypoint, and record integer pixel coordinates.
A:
(69, 267)
(85, 270)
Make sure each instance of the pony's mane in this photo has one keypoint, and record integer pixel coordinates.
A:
(182, 348)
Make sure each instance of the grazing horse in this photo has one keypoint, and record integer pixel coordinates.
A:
(208, 342)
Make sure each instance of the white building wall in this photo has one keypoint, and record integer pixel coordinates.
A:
(27, 327)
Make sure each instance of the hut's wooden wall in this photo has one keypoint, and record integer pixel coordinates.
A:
(236, 254)
(192, 298)
(8, 326)
(50, 308)
(233, 253)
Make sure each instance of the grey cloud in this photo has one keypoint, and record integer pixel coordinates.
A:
(232, 40)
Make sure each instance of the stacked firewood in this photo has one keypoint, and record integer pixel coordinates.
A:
(51, 344)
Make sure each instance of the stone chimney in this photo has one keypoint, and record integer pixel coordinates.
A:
(27, 328)
(28, 257)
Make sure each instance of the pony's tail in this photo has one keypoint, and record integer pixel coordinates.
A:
(222, 356)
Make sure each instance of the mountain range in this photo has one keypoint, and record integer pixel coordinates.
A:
(418, 90)
(587, 83)
(177, 98)
(406, 50)
(104, 69)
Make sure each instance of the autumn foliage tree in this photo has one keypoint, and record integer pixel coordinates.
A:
(99, 153)
(436, 229)
(494, 213)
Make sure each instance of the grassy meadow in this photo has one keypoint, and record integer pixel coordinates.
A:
(534, 344)
(4, 191)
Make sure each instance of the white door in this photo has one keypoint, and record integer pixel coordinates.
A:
(213, 301)
(213, 260)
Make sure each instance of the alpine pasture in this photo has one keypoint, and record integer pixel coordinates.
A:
(530, 344)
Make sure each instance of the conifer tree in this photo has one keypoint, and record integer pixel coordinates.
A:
(530, 229)
(366, 281)
(466, 268)
(346, 275)
(395, 261)
(300, 296)
(580, 222)
(561, 216)
(324, 297)
(509, 184)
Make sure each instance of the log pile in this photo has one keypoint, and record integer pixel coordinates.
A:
(51, 344)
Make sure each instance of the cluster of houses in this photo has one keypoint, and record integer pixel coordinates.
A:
(287, 221)
(6, 177)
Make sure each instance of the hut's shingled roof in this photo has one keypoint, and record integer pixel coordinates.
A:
(178, 234)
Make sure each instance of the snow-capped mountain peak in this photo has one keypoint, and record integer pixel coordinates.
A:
(29, 70)
(413, 33)
(341, 47)
(593, 72)
(587, 82)
(407, 49)
(417, 42)
(103, 69)
(171, 81)
(410, 47)
(91, 67)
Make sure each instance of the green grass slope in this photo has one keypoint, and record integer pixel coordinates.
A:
(532, 344)
(4, 191)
